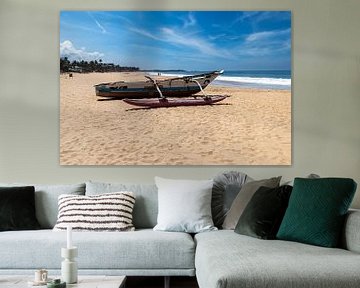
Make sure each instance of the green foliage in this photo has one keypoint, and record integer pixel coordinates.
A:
(92, 66)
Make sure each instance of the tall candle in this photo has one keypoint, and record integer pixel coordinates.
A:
(69, 237)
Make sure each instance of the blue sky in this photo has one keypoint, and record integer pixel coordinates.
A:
(189, 40)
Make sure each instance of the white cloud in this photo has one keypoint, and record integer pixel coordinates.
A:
(100, 26)
(144, 33)
(266, 43)
(68, 50)
(259, 16)
(259, 36)
(102, 29)
(176, 38)
(126, 20)
(199, 44)
(112, 16)
(216, 37)
(189, 20)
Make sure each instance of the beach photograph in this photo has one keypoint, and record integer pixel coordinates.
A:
(175, 88)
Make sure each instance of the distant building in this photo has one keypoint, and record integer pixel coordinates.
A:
(76, 69)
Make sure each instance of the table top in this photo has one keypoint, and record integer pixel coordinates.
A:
(84, 281)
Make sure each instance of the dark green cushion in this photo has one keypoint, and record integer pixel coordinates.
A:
(263, 214)
(316, 211)
(17, 208)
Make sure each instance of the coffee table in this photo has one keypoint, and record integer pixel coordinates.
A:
(83, 282)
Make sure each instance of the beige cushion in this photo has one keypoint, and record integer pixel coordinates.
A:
(243, 198)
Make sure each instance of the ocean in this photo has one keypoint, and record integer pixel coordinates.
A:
(258, 79)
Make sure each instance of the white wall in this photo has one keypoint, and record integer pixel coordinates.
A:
(326, 90)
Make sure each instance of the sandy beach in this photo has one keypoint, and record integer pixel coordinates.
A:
(251, 127)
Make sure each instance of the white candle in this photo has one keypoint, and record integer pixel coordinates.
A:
(69, 239)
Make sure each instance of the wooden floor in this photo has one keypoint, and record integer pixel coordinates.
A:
(158, 282)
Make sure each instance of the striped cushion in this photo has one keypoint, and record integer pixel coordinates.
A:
(105, 212)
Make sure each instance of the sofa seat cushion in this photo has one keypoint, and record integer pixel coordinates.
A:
(226, 259)
(142, 249)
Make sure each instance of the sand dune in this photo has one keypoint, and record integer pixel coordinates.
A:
(251, 127)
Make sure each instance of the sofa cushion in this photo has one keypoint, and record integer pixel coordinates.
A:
(243, 198)
(137, 250)
(184, 205)
(46, 200)
(317, 209)
(146, 205)
(225, 259)
(310, 176)
(350, 239)
(263, 215)
(17, 208)
(225, 189)
(105, 212)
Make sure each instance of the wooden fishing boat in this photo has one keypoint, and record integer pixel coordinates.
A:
(173, 102)
(171, 87)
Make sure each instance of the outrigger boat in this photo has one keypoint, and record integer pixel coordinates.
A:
(171, 87)
(172, 102)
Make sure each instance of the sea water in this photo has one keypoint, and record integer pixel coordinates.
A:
(258, 79)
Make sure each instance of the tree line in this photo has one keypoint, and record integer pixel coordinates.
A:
(92, 66)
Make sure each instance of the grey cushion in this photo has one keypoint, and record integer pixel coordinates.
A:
(351, 231)
(46, 200)
(225, 189)
(264, 212)
(225, 259)
(146, 204)
(310, 176)
(243, 198)
(184, 205)
(144, 249)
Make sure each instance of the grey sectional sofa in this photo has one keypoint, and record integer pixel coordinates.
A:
(226, 259)
(218, 259)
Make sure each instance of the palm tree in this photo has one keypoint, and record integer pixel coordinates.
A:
(64, 64)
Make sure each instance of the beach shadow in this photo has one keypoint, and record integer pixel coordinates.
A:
(110, 99)
(222, 104)
(144, 108)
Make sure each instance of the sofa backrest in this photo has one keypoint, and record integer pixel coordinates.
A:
(46, 200)
(146, 203)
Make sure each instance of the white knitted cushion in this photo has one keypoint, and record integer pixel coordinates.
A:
(105, 212)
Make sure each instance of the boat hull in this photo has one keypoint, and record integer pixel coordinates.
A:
(151, 92)
(170, 87)
(165, 102)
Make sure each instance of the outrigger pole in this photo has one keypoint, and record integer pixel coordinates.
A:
(156, 86)
(201, 89)
(162, 96)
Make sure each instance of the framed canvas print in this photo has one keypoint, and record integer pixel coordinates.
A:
(175, 88)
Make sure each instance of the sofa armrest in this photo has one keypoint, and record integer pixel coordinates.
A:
(351, 234)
